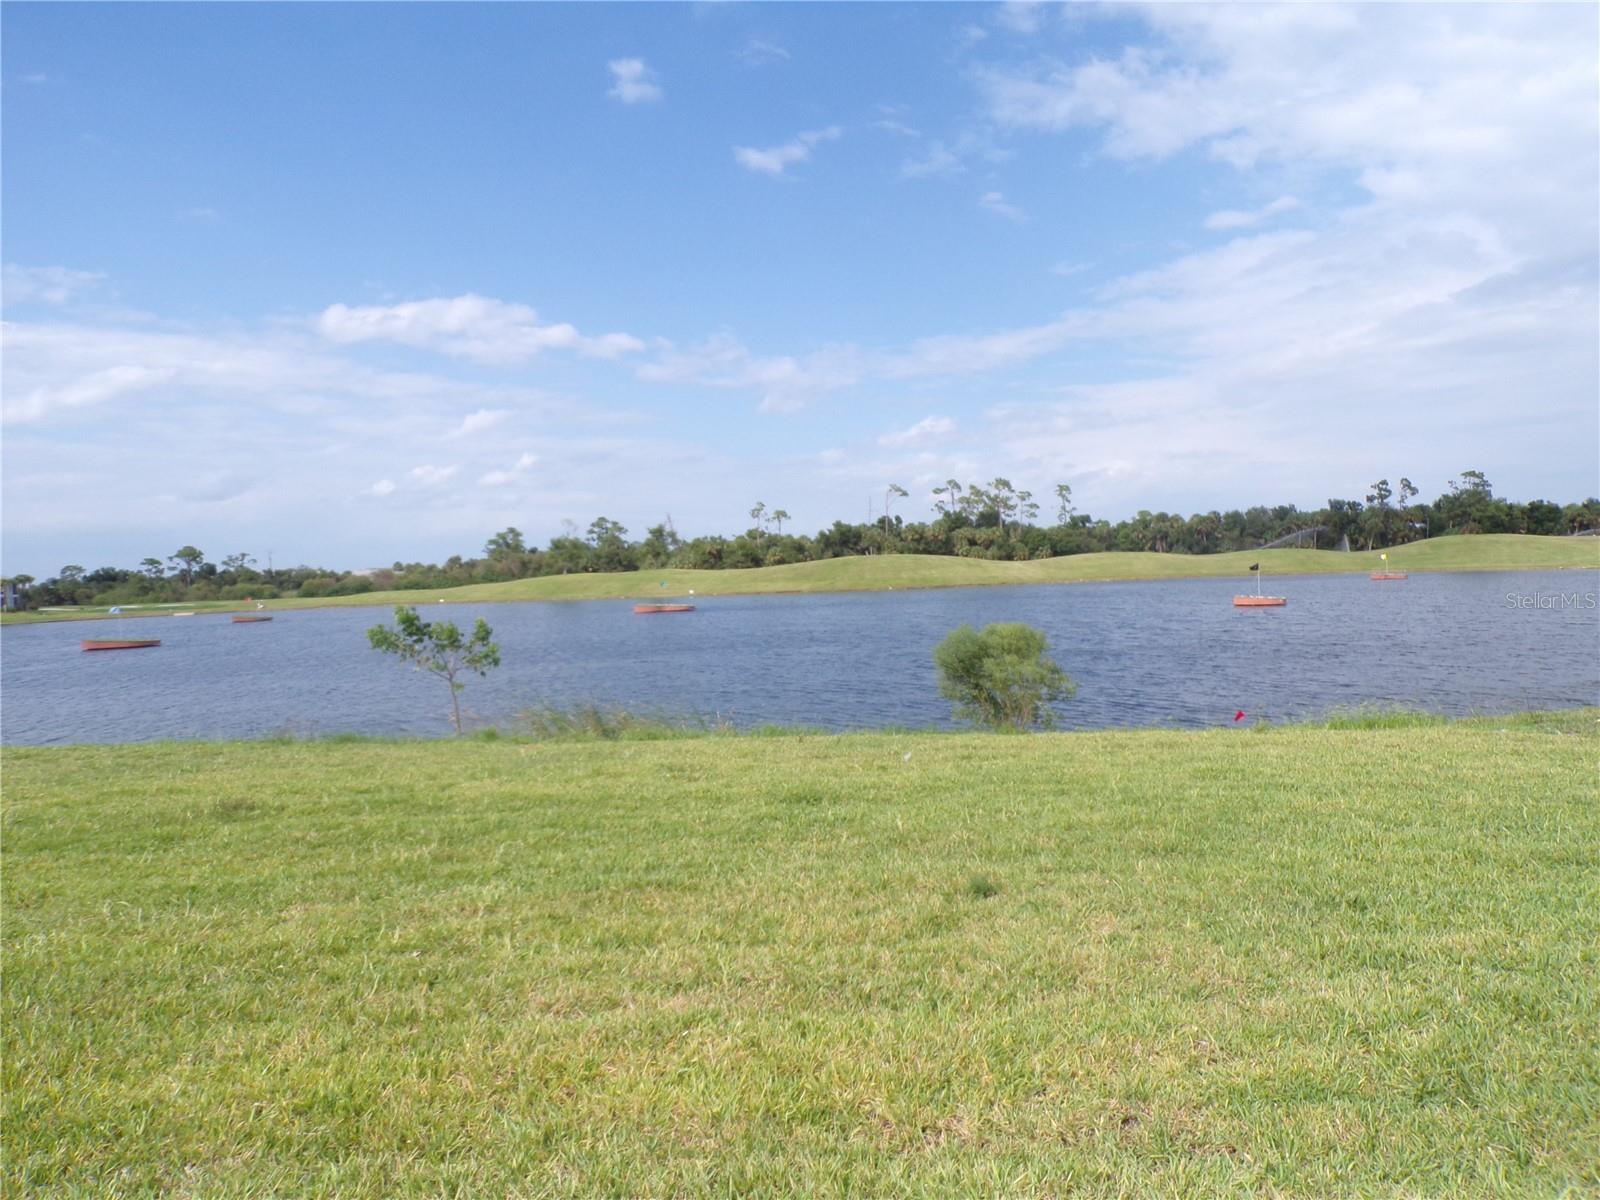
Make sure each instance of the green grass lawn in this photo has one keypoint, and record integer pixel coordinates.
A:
(1483, 552)
(1300, 962)
(100, 613)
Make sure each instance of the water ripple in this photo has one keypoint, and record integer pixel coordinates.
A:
(1164, 653)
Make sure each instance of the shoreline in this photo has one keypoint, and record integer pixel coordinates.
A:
(906, 572)
(1574, 721)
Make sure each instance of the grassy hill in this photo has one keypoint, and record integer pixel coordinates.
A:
(1486, 552)
(1298, 962)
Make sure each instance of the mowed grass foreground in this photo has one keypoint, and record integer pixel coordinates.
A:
(1298, 962)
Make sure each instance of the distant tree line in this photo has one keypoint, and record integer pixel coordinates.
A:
(185, 576)
(994, 520)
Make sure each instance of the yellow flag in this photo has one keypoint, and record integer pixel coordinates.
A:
(1385, 557)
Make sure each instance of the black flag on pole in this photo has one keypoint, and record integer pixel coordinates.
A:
(1255, 566)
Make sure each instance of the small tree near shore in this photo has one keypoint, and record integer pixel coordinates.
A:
(1000, 676)
(439, 648)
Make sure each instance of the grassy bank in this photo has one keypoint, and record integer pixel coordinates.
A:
(1486, 552)
(1297, 962)
(100, 613)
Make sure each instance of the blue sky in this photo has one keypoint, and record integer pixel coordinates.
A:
(358, 283)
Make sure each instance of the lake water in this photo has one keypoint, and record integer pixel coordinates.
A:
(1162, 653)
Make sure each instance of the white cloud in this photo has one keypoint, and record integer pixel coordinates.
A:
(783, 402)
(482, 419)
(202, 214)
(215, 487)
(471, 327)
(996, 203)
(1236, 219)
(501, 478)
(180, 413)
(777, 159)
(758, 52)
(50, 369)
(786, 383)
(429, 475)
(929, 429)
(1389, 325)
(1465, 272)
(1456, 97)
(633, 82)
(893, 118)
(1020, 16)
(964, 354)
(936, 160)
(96, 387)
(45, 285)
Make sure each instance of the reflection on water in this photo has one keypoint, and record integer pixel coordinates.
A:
(1164, 653)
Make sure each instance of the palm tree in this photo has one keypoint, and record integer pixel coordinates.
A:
(894, 490)
(188, 559)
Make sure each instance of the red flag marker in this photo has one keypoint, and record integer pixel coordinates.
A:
(1239, 716)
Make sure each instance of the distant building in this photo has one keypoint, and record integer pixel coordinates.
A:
(10, 596)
